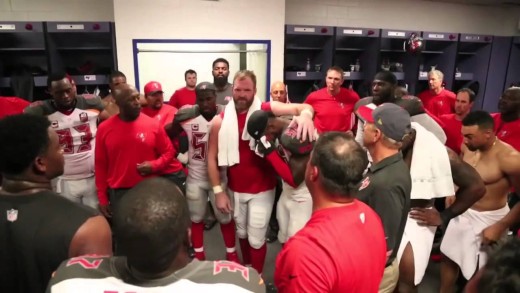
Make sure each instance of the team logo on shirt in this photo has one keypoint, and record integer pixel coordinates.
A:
(55, 124)
(502, 133)
(362, 217)
(364, 183)
(195, 127)
(141, 136)
(12, 215)
(83, 117)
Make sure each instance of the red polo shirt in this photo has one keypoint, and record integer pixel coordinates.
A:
(182, 97)
(443, 103)
(333, 113)
(340, 249)
(508, 132)
(453, 129)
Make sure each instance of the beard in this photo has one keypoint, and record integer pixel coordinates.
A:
(378, 100)
(220, 81)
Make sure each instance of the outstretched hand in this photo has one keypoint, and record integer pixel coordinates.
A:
(305, 127)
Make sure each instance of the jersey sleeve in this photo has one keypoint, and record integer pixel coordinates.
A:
(94, 102)
(186, 114)
(164, 149)
(266, 106)
(85, 267)
(35, 108)
(101, 165)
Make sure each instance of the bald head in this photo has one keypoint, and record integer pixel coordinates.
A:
(127, 99)
(279, 92)
(340, 162)
(411, 104)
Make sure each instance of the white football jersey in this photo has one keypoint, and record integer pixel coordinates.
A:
(197, 129)
(76, 131)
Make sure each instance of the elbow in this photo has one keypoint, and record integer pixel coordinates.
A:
(478, 191)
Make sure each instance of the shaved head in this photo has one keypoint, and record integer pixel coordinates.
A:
(279, 92)
(122, 90)
(127, 99)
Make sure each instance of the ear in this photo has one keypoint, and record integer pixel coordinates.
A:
(40, 165)
(314, 173)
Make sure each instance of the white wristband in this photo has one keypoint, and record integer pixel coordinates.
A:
(308, 112)
(217, 189)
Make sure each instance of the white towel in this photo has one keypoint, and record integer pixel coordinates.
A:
(427, 122)
(430, 170)
(228, 136)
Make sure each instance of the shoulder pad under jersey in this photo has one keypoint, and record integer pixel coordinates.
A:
(363, 102)
(186, 113)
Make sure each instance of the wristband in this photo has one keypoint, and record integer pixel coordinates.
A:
(217, 189)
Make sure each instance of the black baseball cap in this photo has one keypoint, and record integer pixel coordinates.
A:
(257, 123)
(205, 88)
(392, 120)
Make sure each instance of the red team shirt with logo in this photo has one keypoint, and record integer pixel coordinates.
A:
(253, 174)
(453, 129)
(182, 97)
(120, 146)
(508, 132)
(443, 103)
(340, 249)
(333, 113)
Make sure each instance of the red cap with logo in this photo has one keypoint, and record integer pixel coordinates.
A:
(152, 87)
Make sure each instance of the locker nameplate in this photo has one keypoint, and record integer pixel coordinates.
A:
(436, 36)
(396, 34)
(7, 27)
(70, 27)
(305, 29)
(352, 32)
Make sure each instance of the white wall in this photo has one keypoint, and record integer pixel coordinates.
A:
(56, 10)
(154, 65)
(409, 14)
(190, 19)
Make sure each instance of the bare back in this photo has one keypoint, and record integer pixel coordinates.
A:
(495, 170)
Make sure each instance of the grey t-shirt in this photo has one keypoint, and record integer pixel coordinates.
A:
(224, 96)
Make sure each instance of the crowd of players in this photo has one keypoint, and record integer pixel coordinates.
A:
(357, 209)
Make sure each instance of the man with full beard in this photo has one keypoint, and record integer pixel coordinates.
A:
(220, 71)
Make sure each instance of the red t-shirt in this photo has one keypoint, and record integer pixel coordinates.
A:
(453, 129)
(182, 97)
(340, 249)
(12, 106)
(164, 115)
(443, 103)
(253, 174)
(508, 132)
(121, 145)
(333, 113)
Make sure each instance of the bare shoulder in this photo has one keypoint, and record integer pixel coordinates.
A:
(508, 158)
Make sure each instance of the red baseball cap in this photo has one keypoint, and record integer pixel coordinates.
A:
(152, 87)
